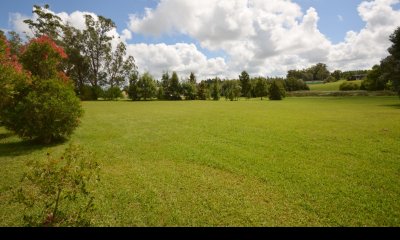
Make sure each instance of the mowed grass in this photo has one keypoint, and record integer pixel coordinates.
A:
(333, 86)
(297, 162)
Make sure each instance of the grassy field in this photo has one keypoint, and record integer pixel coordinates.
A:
(334, 86)
(298, 162)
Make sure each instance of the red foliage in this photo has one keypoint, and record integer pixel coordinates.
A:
(63, 77)
(47, 40)
(5, 56)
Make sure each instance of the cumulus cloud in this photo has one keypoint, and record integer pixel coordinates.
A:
(262, 37)
(180, 57)
(270, 37)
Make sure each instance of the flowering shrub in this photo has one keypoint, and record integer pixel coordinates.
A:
(39, 100)
(42, 57)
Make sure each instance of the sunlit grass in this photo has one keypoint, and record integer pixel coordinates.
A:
(296, 162)
(333, 86)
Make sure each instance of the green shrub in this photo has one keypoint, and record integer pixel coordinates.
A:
(88, 93)
(50, 111)
(56, 192)
(113, 93)
(349, 86)
(276, 90)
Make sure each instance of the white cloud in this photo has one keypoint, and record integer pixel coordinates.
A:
(270, 37)
(262, 37)
(180, 57)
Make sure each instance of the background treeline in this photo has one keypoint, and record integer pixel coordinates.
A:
(100, 67)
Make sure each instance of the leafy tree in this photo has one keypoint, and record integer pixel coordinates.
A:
(192, 78)
(46, 23)
(15, 43)
(216, 90)
(203, 91)
(391, 65)
(112, 93)
(133, 91)
(117, 68)
(261, 87)
(77, 65)
(58, 191)
(146, 86)
(320, 72)
(189, 90)
(42, 57)
(96, 44)
(292, 84)
(244, 79)
(232, 90)
(374, 80)
(276, 90)
(14, 81)
(165, 85)
(337, 74)
(174, 87)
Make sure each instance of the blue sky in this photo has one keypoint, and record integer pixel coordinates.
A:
(118, 11)
(228, 36)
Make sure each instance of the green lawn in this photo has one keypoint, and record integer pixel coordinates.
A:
(333, 86)
(299, 162)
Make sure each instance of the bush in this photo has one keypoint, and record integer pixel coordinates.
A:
(276, 90)
(56, 192)
(113, 93)
(349, 86)
(88, 93)
(293, 84)
(49, 112)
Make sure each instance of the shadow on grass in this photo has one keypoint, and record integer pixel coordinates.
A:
(24, 147)
(396, 106)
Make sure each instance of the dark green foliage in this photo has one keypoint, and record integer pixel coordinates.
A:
(292, 84)
(112, 93)
(374, 80)
(231, 89)
(203, 92)
(133, 91)
(216, 90)
(261, 87)
(337, 74)
(276, 90)
(318, 72)
(146, 86)
(49, 112)
(90, 93)
(57, 191)
(189, 90)
(349, 86)
(174, 87)
(244, 79)
(391, 65)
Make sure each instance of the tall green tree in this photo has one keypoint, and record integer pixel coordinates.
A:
(192, 78)
(146, 86)
(174, 87)
(244, 79)
(216, 90)
(261, 87)
(133, 91)
(391, 65)
(276, 90)
(45, 23)
(189, 90)
(203, 91)
(117, 68)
